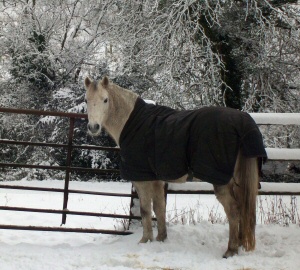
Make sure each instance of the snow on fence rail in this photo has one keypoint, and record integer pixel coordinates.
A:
(187, 188)
(276, 118)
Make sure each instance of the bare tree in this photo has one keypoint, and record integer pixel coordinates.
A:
(49, 41)
(230, 53)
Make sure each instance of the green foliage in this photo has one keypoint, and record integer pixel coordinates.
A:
(33, 65)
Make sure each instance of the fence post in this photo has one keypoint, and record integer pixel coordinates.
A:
(68, 169)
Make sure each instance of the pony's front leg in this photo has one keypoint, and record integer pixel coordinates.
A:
(159, 207)
(144, 190)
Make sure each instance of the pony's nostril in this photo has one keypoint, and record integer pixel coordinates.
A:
(93, 128)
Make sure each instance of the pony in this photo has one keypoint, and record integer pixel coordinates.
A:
(110, 106)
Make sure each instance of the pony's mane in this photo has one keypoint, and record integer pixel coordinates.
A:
(122, 102)
(121, 95)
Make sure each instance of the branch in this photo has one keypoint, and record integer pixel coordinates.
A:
(68, 25)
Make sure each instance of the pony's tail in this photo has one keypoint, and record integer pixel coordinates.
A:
(247, 175)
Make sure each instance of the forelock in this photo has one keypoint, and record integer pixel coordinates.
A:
(94, 85)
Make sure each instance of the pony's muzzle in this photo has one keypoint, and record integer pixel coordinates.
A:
(94, 129)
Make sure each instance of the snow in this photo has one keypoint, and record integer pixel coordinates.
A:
(192, 186)
(189, 246)
(48, 119)
(265, 187)
(149, 101)
(283, 153)
(276, 118)
(64, 93)
(280, 187)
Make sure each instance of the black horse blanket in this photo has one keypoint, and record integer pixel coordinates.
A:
(160, 143)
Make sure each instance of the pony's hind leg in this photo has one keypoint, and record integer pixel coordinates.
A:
(225, 195)
(159, 207)
(145, 191)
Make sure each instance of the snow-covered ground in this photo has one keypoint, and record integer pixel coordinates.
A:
(189, 246)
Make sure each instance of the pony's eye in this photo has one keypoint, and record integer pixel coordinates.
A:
(105, 100)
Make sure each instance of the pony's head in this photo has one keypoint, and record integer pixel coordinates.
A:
(97, 100)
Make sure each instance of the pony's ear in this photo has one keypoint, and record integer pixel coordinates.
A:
(87, 82)
(105, 82)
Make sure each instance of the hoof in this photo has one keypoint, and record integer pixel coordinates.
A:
(145, 240)
(161, 238)
(230, 253)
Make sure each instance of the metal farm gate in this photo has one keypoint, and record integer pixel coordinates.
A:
(68, 168)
